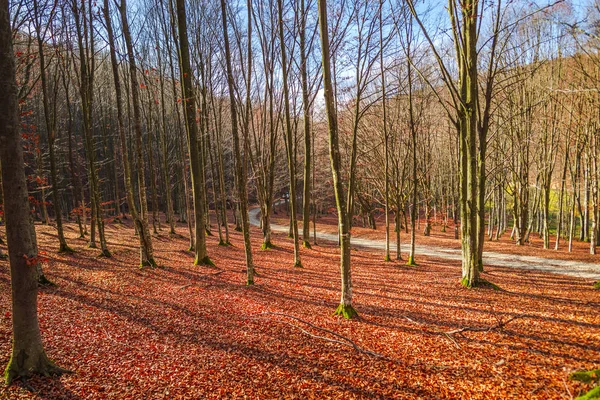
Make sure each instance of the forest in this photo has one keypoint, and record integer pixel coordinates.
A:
(300, 199)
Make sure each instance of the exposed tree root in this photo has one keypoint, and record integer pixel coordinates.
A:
(149, 263)
(20, 368)
(66, 250)
(266, 245)
(347, 312)
(43, 281)
(481, 283)
(105, 253)
(411, 261)
(204, 261)
(341, 339)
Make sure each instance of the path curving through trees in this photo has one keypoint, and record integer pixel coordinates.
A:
(554, 266)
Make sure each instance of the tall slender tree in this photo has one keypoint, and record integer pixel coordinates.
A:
(240, 167)
(289, 137)
(201, 255)
(345, 308)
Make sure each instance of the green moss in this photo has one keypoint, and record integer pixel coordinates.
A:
(250, 282)
(592, 376)
(204, 261)
(266, 245)
(208, 232)
(44, 367)
(479, 283)
(298, 264)
(306, 244)
(597, 285)
(465, 282)
(591, 395)
(66, 249)
(347, 312)
(191, 249)
(223, 243)
(411, 261)
(387, 258)
(3, 256)
(238, 228)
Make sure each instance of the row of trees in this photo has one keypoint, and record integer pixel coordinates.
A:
(481, 118)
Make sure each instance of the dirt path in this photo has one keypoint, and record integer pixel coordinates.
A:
(571, 268)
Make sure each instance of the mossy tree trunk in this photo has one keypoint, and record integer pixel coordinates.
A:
(240, 163)
(413, 135)
(345, 308)
(289, 138)
(146, 249)
(306, 121)
(201, 255)
(386, 138)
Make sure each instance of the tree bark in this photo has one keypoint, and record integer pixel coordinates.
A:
(201, 255)
(345, 308)
(28, 356)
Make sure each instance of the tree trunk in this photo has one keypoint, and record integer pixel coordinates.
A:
(28, 356)
(201, 256)
(146, 249)
(240, 164)
(290, 140)
(345, 308)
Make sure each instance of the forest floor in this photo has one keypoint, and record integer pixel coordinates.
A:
(501, 252)
(184, 331)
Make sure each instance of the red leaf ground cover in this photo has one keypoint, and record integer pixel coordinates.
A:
(185, 332)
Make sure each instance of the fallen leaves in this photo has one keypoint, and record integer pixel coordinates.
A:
(181, 331)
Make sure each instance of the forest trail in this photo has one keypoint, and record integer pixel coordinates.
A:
(572, 268)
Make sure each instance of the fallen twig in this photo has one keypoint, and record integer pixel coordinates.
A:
(344, 340)
(448, 334)
(450, 338)
(499, 325)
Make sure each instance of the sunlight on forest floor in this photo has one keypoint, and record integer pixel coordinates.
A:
(181, 331)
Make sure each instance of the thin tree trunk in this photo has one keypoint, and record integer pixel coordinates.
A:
(146, 249)
(345, 308)
(201, 256)
(290, 140)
